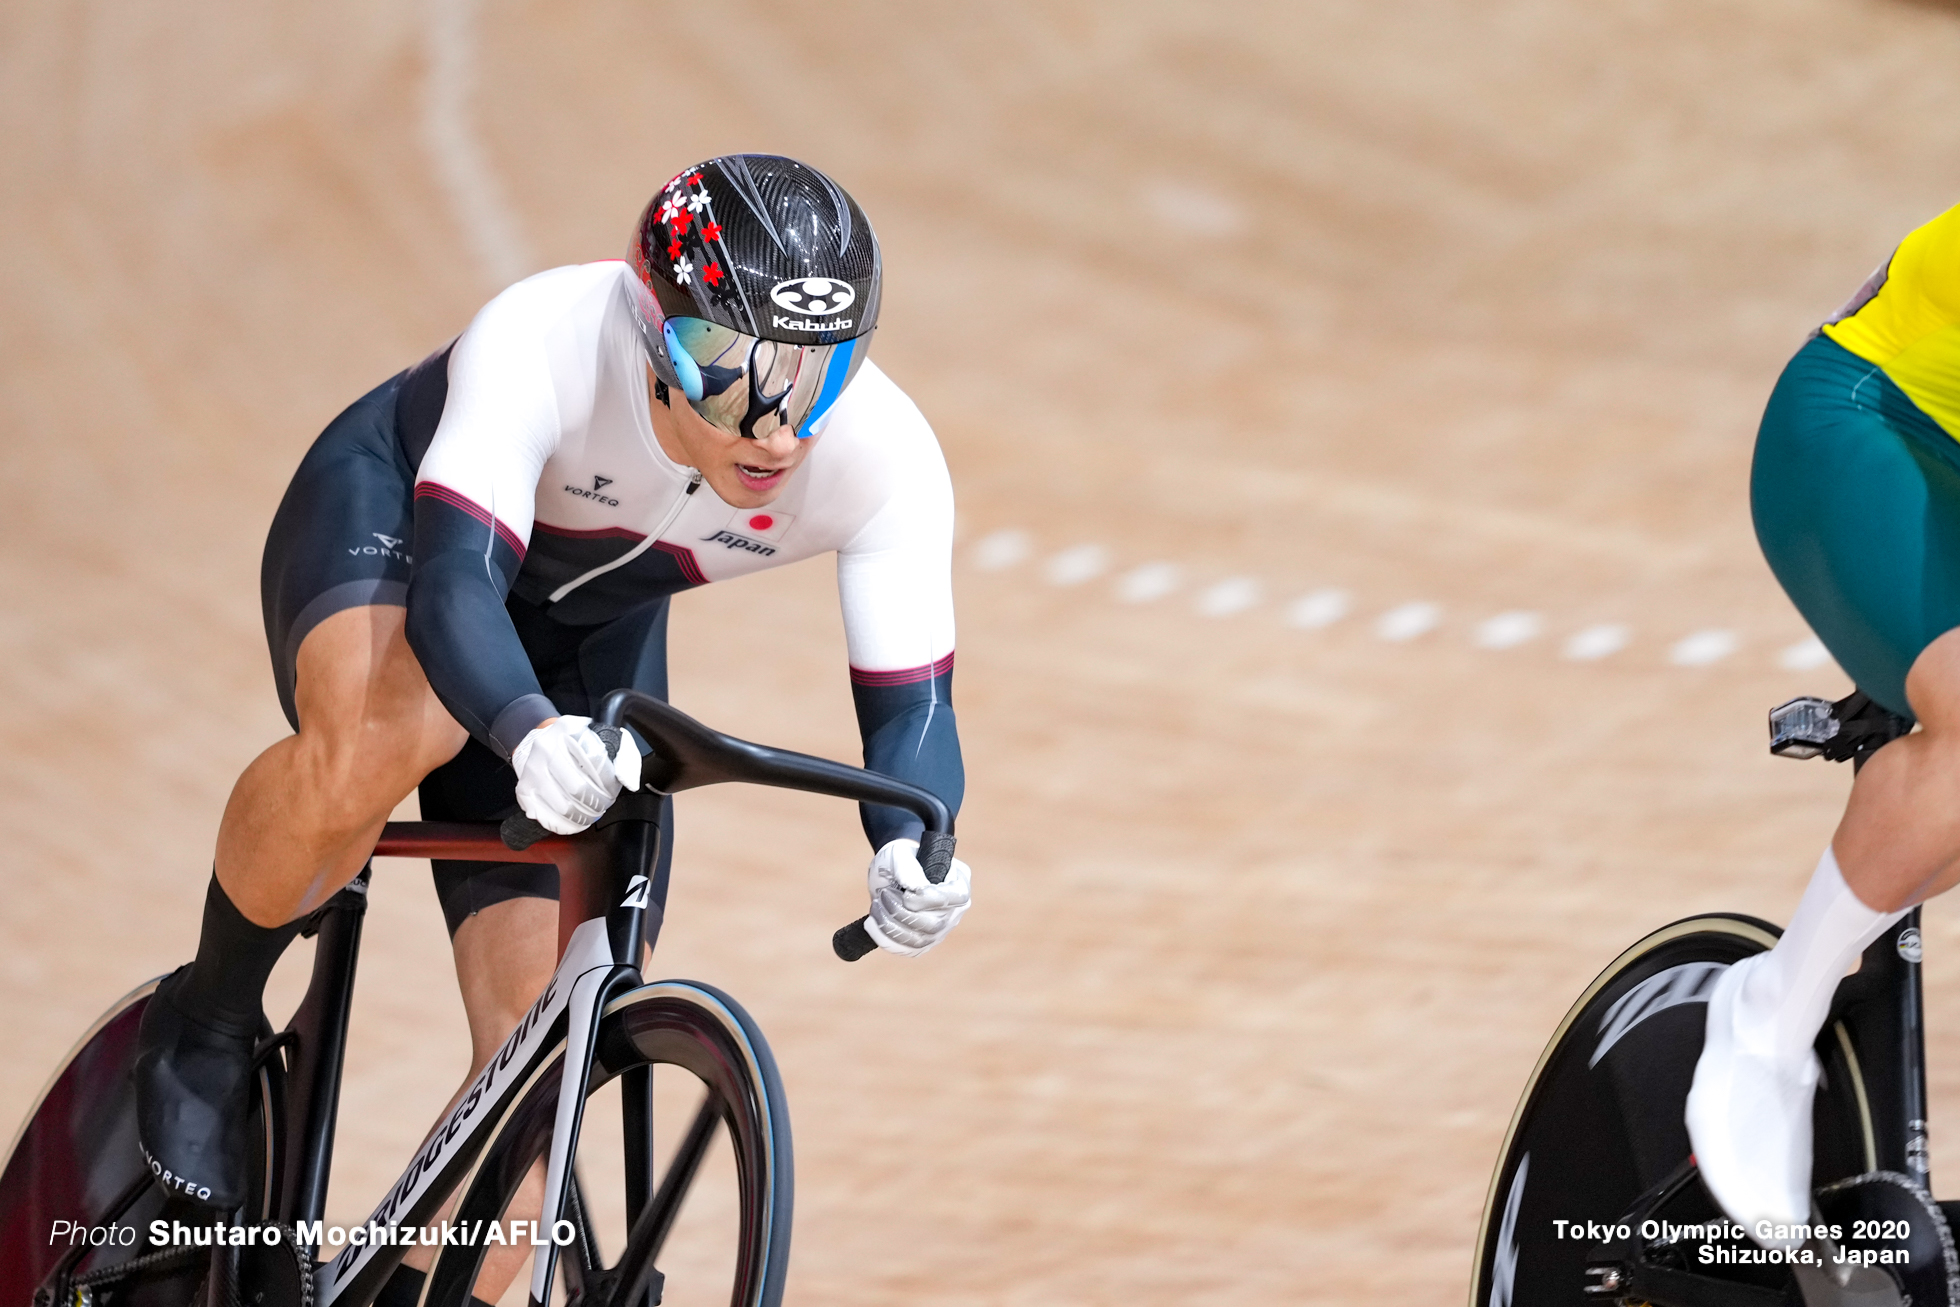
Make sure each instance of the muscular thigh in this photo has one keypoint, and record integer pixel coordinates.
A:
(361, 694)
(1856, 498)
(333, 587)
(338, 543)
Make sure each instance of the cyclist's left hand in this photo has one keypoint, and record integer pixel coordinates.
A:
(909, 914)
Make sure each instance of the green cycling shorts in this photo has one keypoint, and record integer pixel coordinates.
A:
(1856, 498)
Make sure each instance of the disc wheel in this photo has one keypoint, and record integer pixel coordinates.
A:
(1601, 1119)
(75, 1165)
(682, 1074)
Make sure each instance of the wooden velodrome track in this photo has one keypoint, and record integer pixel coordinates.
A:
(1472, 303)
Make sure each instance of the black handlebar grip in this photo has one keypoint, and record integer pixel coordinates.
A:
(853, 941)
(519, 831)
(936, 857)
(610, 736)
(936, 854)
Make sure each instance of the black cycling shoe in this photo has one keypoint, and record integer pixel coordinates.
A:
(192, 1100)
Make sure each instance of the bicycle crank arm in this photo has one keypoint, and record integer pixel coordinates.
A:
(1623, 1271)
(1662, 1286)
(1820, 1285)
(1834, 1282)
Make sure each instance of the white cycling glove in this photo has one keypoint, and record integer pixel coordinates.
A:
(565, 782)
(909, 914)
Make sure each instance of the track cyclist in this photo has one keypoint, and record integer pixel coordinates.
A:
(1856, 498)
(476, 552)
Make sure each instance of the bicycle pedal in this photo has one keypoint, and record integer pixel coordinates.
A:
(1802, 728)
(1851, 729)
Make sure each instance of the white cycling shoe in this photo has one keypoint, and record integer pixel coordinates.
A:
(1749, 1120)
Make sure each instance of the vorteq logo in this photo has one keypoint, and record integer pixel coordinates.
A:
(820, 297)
(390, 547)
(599, 483)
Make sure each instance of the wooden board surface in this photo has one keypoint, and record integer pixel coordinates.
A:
(1467, 304)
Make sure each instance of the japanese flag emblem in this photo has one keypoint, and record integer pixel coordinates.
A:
(764, 524)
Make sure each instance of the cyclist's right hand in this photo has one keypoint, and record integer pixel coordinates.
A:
(565, 781)
(910, 914)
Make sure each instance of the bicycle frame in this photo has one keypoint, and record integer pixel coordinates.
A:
(1883, 1011)
(605, 897)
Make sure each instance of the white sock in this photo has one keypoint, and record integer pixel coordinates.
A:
(1788, 994)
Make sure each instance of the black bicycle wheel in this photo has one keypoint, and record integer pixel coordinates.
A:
(1601, 1119)
(76, 1200)
(716, 1227)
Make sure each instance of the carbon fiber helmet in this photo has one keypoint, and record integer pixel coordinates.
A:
(759, 282)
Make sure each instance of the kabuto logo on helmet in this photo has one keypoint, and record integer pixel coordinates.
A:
(817, 296)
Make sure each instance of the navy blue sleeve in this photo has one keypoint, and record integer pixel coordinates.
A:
(910, 733)
(464, 564)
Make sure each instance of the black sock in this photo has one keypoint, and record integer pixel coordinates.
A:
(225, 986)
(402, 1288)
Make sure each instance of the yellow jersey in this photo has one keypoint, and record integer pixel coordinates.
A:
(1906, 320)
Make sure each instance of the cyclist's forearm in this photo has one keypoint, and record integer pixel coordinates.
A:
(463, 637)
(919, 743)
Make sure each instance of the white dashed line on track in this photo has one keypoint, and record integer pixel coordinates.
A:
(1002, 549)
(1596, 642)
(1407, 621)
(1074, 566)
(1316, 610)
(1311, 612)
(1508, 630)
(1234, 594)
(1804, 656)
(1150, 582)
(1702, 648)
(1207, 212)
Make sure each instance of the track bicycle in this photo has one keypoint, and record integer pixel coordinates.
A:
(1596, 1198)
(83, 1224)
